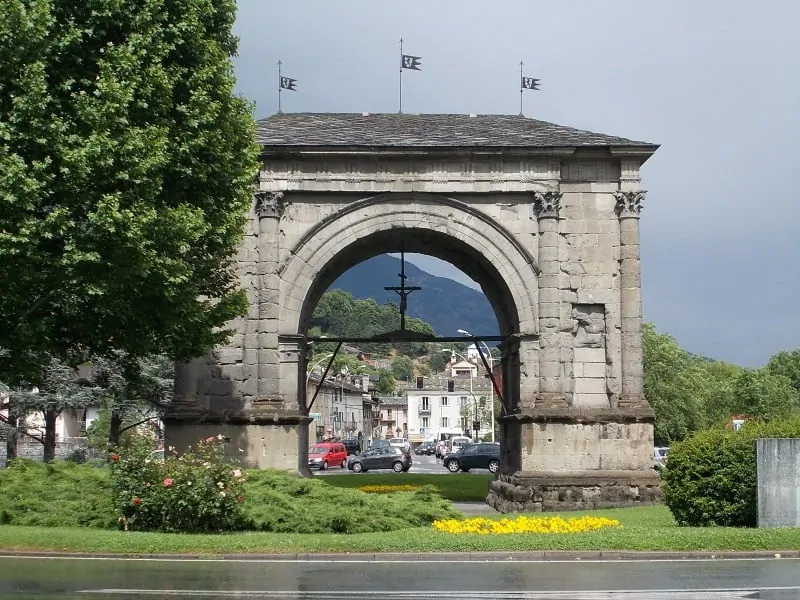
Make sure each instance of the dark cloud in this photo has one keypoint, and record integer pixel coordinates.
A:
(714, 82)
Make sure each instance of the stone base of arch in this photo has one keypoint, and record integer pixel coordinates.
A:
(255, 438)
(573, 459)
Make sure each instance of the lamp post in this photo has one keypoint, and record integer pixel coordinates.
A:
(491, 369)
(471, 393)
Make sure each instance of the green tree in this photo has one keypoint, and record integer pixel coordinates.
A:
(59, 389)
(786, 364)
(438, 361)
(673, 386)
(765, 396)
(126, 169)
(386, 383)
(403, 368)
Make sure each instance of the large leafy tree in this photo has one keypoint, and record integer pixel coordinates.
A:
(786, 364)
(126, 162)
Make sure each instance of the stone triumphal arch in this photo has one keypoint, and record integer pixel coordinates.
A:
(545, 218)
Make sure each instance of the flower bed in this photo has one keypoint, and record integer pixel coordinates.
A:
(483, 526)
(390, 489)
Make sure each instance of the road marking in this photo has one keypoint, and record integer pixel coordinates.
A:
(671, 594)
(500, 559)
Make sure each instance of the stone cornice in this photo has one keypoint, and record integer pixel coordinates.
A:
(629, 204)
(546, 205)
(449, 175)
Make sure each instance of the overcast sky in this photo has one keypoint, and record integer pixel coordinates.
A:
(715, 82)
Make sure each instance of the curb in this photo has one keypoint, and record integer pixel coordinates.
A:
(536, 556)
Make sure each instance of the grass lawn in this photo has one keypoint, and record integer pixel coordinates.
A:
(456, 487)
(644, 528)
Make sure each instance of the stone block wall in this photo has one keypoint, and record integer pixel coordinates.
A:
(778, 473)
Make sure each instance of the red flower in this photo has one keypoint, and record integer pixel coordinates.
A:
(240, 498)
(136, 501)
(115, 457)
(168, 482)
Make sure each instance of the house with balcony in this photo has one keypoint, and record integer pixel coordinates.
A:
(343, 407)
(392, 417)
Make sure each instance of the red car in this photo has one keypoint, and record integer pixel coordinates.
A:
(327, 454)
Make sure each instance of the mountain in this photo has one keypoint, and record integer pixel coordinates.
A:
(446, 304)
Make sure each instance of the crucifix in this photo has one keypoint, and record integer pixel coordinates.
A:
(402, 290)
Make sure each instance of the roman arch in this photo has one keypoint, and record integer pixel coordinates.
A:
(544, 217)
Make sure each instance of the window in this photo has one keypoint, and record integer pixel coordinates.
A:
(389, 413)
(445, 401)
(425, 422)
(483, 401)
(464, 401)
(426, 403)
(445, 422)
(405, 413)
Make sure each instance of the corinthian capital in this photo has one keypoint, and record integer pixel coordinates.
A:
(270, 204)
(629, 204)
(546, 204)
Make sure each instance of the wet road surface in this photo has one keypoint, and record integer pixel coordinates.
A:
(115, 579)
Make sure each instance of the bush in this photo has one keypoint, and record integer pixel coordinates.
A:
(193, 493)
(290, 504)
(59, 494)
(710, 478)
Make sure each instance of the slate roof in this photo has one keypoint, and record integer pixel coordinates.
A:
(426, 131)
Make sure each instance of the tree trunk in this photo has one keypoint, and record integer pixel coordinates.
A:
(114, 431)
(11, 441)
(50, 416)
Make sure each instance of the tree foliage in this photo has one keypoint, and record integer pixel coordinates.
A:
(126, 164)
(690, 393)
(788, 365)
(339, 314)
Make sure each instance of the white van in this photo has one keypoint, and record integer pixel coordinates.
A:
(458, 442)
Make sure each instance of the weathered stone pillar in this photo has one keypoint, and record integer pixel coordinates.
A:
(546, 206)
(269, 207)
(628, 207)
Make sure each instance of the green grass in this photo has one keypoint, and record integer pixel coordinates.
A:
(456, 487)
(644, 528)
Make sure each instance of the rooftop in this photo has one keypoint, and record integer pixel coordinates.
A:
(426, 131)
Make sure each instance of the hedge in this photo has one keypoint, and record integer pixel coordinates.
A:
(710, 478)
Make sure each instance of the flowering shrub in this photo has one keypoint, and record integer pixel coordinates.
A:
(390, 489)
(195, 492)
(485, 526)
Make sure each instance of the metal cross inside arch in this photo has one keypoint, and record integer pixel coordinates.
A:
(403, 290)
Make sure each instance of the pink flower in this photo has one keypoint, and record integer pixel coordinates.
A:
(209, 440)
(115, 457)
(240, 498)
(168, 482)
(237, 473)
(136, 501)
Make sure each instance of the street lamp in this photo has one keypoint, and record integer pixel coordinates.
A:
(491, 373)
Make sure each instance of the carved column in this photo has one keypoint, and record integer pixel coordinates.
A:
(547, 205)
(269, 207)
(629, 205)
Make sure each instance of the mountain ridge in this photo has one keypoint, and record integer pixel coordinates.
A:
(445, 304)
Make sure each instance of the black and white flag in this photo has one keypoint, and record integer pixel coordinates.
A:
(287, 83)
(411, 62)
(530, 83)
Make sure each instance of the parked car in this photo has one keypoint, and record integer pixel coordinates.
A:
(474, 456)
(456, 443)
(392, 458)
(352, 446)
(379, 444)
(425, 448)
(327, 454)
(400, 443)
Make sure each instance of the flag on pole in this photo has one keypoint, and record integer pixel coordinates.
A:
(287, 83)
(411, 62)
(530, 83)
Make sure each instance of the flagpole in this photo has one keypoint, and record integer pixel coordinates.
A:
(279, 87)
(520, 89)
(400, 110)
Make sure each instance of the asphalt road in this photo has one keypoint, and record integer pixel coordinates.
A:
(420, 464)
(85, 579)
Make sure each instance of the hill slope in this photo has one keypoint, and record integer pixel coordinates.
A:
(446, 304)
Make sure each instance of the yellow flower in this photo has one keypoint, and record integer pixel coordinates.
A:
(484, 526)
